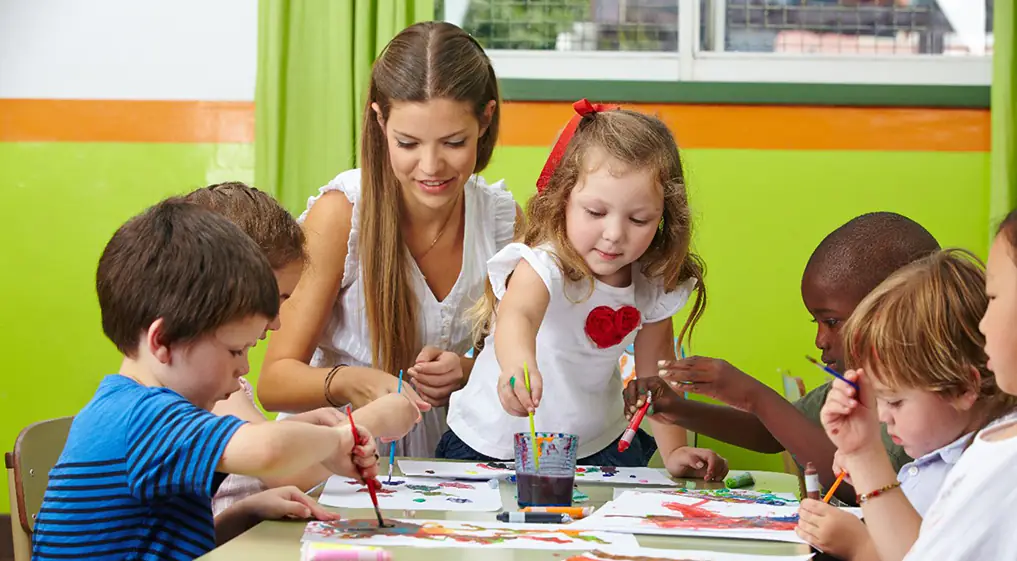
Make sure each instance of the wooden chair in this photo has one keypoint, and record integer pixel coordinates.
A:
(35, 452)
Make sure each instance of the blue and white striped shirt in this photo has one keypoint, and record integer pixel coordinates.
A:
(135, 478)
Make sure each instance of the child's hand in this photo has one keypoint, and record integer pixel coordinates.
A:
(400, 416)
(711, 377)
(696, 463)
(282, 502)
(436, 375)
(849, 415)
(323, 416)
(839, 466)
(358, 460)
(831, 530)
(512, 391)
(666, 401)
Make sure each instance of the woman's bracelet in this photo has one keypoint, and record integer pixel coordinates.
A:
(866, 497)
(328, 385)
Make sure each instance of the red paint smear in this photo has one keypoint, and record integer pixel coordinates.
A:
(695, 517)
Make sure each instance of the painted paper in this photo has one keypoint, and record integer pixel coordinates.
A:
(672, 514)
(647, 554)
(741, 496)
(623, 476)
(413, 493)
(453, 533)
(457, 470)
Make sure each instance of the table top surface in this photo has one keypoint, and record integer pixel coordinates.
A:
(280, 540)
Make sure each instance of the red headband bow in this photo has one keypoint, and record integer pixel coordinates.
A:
(583, 108)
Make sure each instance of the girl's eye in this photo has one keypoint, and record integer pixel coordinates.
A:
(237, 354)
(594, 213)
(831, 323)
(639, 222)
(456, 143)
(404, 144)
(893, 403)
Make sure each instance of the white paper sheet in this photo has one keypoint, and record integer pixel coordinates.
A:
(676, 515)
(454, 533)
(623, 476)
(410, 493)
(457, 470)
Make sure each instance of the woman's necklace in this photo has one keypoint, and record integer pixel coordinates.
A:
(448, 219)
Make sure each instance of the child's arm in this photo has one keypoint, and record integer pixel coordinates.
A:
(519, 316)
(804, 438)
(655, 342)
(272, 449)
(849, 417)
(834, 532)
(721, 422)
(273, 504)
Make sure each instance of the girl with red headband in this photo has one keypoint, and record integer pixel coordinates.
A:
(604, 261)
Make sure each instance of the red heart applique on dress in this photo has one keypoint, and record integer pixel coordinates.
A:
(607, 327)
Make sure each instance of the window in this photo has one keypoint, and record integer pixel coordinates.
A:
(892, 42)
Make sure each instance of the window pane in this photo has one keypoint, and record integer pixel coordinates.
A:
(567, 25)
(867, 27)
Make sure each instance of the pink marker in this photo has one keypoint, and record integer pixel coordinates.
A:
(334, 553)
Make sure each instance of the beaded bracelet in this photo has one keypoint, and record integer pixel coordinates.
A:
(865, 497)
(328, 385)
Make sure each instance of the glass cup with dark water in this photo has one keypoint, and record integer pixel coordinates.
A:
(551, 483)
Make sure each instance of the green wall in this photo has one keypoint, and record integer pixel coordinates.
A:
(759, 214)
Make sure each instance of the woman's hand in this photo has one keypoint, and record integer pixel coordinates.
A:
(436, 375)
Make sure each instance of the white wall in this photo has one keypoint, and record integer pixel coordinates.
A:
(128, 49)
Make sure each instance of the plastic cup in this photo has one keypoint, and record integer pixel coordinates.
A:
(551, 484)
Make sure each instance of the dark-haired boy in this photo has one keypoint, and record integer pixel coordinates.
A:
(184, 294)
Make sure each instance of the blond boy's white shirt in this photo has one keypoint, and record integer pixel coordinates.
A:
(975, 515)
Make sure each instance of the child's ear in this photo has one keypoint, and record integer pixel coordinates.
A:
(968, 399)
(153, 341)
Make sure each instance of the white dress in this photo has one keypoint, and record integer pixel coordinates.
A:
(490, 214)
(975, 514)
(582, 386)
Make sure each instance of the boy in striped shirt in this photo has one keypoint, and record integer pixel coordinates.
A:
(184, 294)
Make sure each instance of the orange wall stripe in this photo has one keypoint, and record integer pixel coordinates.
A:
(777, 127)
(95, 120)
(524, 124)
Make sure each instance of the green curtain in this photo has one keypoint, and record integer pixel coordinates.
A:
(1003, 190)
(314, 60)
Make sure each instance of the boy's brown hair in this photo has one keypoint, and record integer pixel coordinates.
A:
(260, 216)
(185, 264)
(919, 329)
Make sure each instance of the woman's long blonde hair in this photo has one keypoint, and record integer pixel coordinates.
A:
(919, 329)
(430, 60)
(641, 142)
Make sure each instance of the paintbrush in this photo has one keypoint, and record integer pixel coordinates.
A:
(533, 430)
(831, 371)
(371, 483)
(833, 488)
(391, 450)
